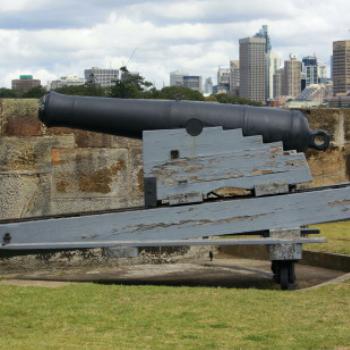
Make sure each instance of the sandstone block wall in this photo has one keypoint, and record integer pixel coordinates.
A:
(60, 170)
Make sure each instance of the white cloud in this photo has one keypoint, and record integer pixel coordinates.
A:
(50, 39)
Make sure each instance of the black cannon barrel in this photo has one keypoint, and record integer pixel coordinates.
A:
(129, 117)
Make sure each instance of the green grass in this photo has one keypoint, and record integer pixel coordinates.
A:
(88, 316)
(338, 237)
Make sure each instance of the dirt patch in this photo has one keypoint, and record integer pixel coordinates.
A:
(33, 283)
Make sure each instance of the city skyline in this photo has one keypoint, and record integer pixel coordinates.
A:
(157, 37)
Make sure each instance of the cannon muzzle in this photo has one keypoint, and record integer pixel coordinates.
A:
(130, 117)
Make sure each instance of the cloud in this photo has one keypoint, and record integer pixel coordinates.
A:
(52, 39)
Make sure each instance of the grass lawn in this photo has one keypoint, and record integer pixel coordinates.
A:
(88, 316)
(338, 236)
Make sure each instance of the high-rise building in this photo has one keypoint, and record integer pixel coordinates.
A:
(275, 64)
(69, 80)
(310, 69)
(101, 76)
(234, 77)
(223, 76)
(322, 74)
(278, 83)
(263, 33)
(208, 86)
(341, 67)
(177, 78)
(252, 61)
(25, 83)
(223, 80)
(292, 77)
(193, 82)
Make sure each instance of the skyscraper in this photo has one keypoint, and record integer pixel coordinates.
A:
(234, 77)
(292, 77)
(310, 69)
(275, 63)
(252, 59)
(269, 70)
(278, 83)
(341, 67)
(208, 86)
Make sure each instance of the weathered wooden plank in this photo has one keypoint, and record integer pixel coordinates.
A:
(188, 167)
(244, 169)
(186, 242)
(188, 222)
(158, 144)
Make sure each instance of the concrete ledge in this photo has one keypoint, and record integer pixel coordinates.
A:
(331, 261)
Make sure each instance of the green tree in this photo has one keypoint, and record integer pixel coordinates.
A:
(226, 98)
(131, 86)
(83, 90)
(35, 92)
(178, 93)
(7, 93)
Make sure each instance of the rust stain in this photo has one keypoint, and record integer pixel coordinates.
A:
(61, 186)
(257, 172)
(140, 185)
(193, 222)
(343, 202)
(233, 192)
(100, 180)
(55, 156)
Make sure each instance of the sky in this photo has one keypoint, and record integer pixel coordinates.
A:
(50, 39)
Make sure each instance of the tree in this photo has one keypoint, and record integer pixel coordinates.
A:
(35, 92)
(7, 93)
(131, 86)
(226, 98)
(83, 90)
(178, 93)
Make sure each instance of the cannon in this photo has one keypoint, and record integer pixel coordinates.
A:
(210, 170)
(130, 117)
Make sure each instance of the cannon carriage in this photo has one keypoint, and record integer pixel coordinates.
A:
(210, 170)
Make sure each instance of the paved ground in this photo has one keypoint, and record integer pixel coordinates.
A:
(233, 273)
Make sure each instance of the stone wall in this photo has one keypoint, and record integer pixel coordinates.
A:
(332, 166)
(60, 170)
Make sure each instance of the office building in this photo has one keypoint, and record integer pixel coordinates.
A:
(310, 69)
(252, 61)
(275, 64)
(25, 83)
(341, 67)
(234, 77)
(193, 82)
(263, 33)
(292, 77)
(223, 80)
(69, 80)
(278, 83)
(322, 74)
(101, 76)
(177, 78)
(208, 86)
